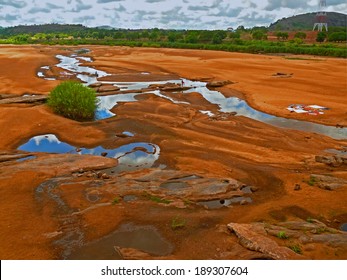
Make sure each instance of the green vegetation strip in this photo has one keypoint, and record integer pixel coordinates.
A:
(253, 40)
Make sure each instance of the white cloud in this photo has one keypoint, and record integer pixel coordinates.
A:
(181, 14)
(15, 4)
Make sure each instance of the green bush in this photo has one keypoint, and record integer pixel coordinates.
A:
(338, 37)
(73, 100)
(321, 37)
(300, 35)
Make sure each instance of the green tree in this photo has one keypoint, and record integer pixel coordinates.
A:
(218, 36)
(282, 36)
(235, 35)
(338, 37)
(321, 37)
(240, 28)
(259, 35)
(192, 37)
(300, 35)
(205, 36)
(172, 37)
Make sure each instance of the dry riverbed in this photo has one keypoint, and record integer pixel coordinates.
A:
(173, 170)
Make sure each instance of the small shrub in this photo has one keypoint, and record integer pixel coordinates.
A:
(116, 200)
(296, 248)
(73, 100)
(312, 181)
(282, 235)
(178, 223)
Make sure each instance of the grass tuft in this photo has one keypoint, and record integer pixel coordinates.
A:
(282, 235)
(116, 200)
(296, 248)
(157, 199)
(73, 100)
(178, 223)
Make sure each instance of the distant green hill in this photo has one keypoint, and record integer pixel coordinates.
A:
(43, 28)
(306, 21)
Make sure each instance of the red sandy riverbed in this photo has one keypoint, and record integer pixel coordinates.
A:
(270, 158)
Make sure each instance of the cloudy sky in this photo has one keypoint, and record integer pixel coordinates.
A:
(176, 14)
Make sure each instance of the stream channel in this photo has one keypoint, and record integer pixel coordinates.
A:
(89, 75)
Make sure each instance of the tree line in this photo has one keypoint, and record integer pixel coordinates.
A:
(239, 39)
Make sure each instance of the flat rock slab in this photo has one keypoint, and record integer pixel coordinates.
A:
(338, 239)
(328, 182)
(24, 99)
(160, 182)
(62, 164)
(12, 156)
(216, 84)
(253, 237)
(334, 161)
(107, 88)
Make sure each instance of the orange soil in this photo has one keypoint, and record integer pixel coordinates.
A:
(258, 154)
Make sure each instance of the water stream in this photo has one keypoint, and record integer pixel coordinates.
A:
(90, 75)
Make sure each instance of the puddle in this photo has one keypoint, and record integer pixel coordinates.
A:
(143, 238)
(208, 113)
(133, 155)
(89, 75)
(26, 158)
(129, 134)
(344, 227)
(106, 103)
(42, 73)
(217, 204)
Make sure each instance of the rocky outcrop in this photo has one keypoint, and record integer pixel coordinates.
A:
(24, 99)
(328, 182)
(297, 236)
(63, 163)
(253, 237)
(95, 85)
(334, 161)
(216, 84)
(282, 75)
(107, 88)
(169, 87)
(9, 156)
